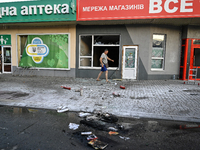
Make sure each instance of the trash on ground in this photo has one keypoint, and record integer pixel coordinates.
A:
(112, 129)
(77, 90)
(81, 92)
(102, 121)
(92, 137)
(98, 124)
(126, 126)
(82, 114)
(124, 138)
(115, 83)
(193, 94)
(109, 118)
(113, 133)
(116, 95)
(86, 133)
(62, 109)
(96, 144)
(64, 87)
(3, 128)
(122, 87)
(73, 126)
(88, 118)
(189, 126)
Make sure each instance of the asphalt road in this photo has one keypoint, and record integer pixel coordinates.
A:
(32, 129)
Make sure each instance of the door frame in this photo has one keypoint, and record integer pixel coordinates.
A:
(136, 59)
(2, 51)
(193, 46)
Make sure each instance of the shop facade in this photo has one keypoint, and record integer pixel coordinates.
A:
(42, 38)
(145, 38)
(154, 39)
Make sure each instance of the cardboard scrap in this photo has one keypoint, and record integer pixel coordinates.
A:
(96, 144)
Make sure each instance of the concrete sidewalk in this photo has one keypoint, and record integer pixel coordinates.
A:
(158, 99)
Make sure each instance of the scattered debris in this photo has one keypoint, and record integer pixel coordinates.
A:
(113, 133)
(89, 118)
(193, 94)
(3, 128)
(116, 95)
(73, 126)
(98, 124)
(92, 137)
(74, 98)
(170, 91)
(64, 87)
(82, 114)
(189, 126)
(109, 118)
(81, 92)
(124, 138)
(77, 90)
(106, 122)
(62, 109)
(126, 126)
(115, 83)
(86, 133)
(96, 144)
(112, 129)
(122, 87)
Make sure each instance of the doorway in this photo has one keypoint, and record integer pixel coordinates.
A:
(6, 64)
(195, 61)
(190, 58)
(129, 62)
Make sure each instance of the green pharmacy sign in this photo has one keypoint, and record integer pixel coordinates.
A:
(37, 10)
(5, 39)
(46, 51)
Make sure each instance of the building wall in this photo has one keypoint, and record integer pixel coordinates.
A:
(71, 29)
(116, 29)
(141, 35)
(191, 32)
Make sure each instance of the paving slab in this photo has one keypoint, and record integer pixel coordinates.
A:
(159, 99)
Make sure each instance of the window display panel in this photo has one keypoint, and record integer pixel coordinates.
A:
(158, 52)
(92, 46)
(86, 46)
(85, 62)
(44, 51)
(106, 40)
(157, 63)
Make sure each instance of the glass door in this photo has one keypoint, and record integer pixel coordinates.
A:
(6, 59)
(129, 63)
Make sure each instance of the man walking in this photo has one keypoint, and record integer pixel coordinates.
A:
(104, 64)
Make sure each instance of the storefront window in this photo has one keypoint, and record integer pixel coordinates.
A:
(92, 46)
(43, 51)
(196, 41)
(158, 52)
